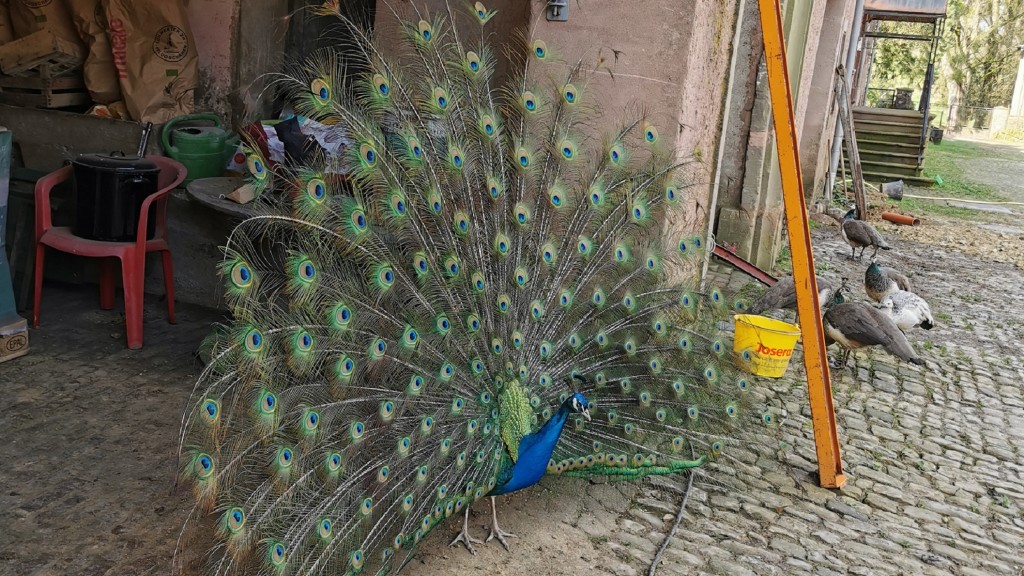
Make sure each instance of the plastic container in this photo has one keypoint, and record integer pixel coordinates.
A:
(109, 191)
(767, 344)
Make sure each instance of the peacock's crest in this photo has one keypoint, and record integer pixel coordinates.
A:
(415, 306)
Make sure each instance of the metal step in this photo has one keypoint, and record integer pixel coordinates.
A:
(883, 126)
(886, 136)
(883, 176)
(883, 156)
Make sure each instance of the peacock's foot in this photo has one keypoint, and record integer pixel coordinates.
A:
(464, 536)
(467, 540)
(500, 534)
(496, 531)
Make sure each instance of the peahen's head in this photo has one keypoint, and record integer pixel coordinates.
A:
(579, 404)
(874, 268)
(836, 298)
(851, 215)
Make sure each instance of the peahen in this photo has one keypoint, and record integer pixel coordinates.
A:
(855, 325)
(879, 282)
(486, 297)
(860, 234)
(782, 295)
(908, 310)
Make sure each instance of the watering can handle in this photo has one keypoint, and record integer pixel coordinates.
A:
(165, 134)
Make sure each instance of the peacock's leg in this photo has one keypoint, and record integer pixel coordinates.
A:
(496, 531)
(464, 536)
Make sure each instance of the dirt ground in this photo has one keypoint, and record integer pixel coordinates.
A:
(992, 231)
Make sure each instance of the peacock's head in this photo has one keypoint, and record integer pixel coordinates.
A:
(578, 404)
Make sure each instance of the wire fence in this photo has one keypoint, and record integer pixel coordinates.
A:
(958, 117)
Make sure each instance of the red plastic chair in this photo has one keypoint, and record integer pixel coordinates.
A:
(131, 254)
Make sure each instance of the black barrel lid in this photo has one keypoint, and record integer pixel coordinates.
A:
(116, 161)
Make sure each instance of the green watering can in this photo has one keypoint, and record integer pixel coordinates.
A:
(203, 150)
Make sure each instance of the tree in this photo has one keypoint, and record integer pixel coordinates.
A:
(978, 55)
(980, 51)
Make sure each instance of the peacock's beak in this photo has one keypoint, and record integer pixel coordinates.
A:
(586, 413)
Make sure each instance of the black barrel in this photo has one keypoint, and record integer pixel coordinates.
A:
(108, 193)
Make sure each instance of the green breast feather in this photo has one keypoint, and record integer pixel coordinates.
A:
(514, 417)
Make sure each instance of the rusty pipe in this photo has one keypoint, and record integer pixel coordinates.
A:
(903, 219)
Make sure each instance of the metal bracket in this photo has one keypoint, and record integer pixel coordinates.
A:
(558, 10)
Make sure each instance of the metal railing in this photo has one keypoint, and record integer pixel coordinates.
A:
(880, 97)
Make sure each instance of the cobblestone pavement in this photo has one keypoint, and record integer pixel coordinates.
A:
(933, 455)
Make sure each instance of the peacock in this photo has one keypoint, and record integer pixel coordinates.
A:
(470, 291)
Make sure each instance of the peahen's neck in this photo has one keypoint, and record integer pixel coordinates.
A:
(534, 453)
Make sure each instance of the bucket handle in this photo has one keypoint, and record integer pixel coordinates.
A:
(165, 135)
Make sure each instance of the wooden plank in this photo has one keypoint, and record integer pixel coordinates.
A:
(819, 387)
(41, 48)
(850, 138)
(73, 82)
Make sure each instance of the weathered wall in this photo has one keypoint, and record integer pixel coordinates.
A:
(669, 56)
(514, 18)
(819, 123)
(214, 25)
(239, 43)
(751, 214)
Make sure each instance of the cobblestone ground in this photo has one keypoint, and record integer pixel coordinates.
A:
(936, 473)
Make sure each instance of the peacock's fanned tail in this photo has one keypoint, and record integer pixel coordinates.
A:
(465, 237)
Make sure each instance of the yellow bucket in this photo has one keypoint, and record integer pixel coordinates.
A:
(768, 343)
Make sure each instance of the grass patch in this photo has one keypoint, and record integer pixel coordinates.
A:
(945, 160)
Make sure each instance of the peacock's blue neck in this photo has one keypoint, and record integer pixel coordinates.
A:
(534, 453)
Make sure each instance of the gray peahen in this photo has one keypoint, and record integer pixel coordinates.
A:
(860, 234)
(879, 282)
(782, 295)
(486, 298)
(855, 325)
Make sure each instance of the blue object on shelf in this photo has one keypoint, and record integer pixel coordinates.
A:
(8, 312)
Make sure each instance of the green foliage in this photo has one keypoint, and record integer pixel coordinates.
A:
(977, 60)
(898, 63)
(980, 50)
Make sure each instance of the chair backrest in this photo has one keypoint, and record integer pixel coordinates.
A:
(172, 172)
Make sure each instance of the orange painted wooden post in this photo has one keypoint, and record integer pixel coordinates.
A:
(819, 388)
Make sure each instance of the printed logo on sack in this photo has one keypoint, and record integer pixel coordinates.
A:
(766, 351)
(119, 45)
(171, 43)
(36, 3)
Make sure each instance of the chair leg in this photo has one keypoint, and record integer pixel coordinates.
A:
(169, 285)
(37, 293)
(133, 273)
(107, 283)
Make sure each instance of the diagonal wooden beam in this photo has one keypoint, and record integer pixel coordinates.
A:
(819, 389)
